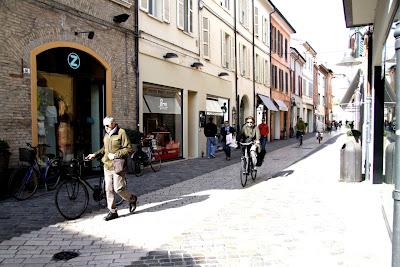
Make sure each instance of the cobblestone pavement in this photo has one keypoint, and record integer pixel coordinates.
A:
(296, 213)
(40, 210)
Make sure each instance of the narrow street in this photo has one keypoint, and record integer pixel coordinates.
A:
(295, 214)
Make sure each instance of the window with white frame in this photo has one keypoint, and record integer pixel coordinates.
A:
(206, 37)
(256, 22)
(265, 26)
(156, 8)
(185, 15)
(257, 68)
(244, 12)
(244, 55)
(226, 50)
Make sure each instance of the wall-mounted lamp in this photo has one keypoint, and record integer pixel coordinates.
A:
(224, 108)
(90, 34)
(196, 65)
(170, 55)
(120, 18)
(223, 74)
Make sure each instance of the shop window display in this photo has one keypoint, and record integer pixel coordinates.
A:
(162, 119)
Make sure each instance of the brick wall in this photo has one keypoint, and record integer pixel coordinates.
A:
(28, 24)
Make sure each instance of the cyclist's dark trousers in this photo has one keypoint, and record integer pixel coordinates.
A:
(115, 183)
(252, 152)
(227, 150)
(298, 134)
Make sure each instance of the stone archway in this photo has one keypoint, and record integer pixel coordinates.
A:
(244, 109)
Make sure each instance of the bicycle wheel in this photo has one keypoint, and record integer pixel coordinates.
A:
(23, 183)
(319, 139)
(53, 174)
(139, 168)
(72, 198)
(243, 172)
(155, 162)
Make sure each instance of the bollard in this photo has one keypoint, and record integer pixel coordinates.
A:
(350, 162)
(389, 163)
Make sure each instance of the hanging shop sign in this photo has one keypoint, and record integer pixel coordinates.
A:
(73, 60)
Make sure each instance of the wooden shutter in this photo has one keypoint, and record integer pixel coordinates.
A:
(206, 37)
(256, 22)
(223, 53)
(180, 14)
(166, 7)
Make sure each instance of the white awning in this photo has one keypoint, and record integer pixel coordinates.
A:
(164, 105)
(213, 107)
(281, 105)
(268, 102)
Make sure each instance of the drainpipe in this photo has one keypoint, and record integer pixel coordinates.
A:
(254, 63)
(236, 75)
(136, 44)
(396, 191)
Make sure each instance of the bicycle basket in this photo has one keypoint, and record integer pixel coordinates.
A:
(27, 155)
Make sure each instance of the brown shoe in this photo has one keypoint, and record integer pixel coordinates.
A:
(132, 203)
(111, 216)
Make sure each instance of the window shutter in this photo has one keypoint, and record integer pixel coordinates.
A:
(206, 37)
(256, 23)
(223, 55)
(240, 7)
(180, 13)
(240, 59)
(190, 16)
(166, 7)
(248, 63)
(232, 54)
(144, 5)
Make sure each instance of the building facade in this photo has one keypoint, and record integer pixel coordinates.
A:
(281, 31)
(64, 67)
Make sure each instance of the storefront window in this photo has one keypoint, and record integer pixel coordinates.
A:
(162, 118)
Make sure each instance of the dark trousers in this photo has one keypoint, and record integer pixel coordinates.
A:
(227, 150)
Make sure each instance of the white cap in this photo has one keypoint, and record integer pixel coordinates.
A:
(108, 120)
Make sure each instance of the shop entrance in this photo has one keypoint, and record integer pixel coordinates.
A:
(70, 101)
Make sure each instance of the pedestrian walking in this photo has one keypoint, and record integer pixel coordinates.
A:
(264, 131)
(116, 145)
(227, 133)
(210, 131)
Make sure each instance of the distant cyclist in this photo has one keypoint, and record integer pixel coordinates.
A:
(251, 133)
(300, 129)
(320, 129)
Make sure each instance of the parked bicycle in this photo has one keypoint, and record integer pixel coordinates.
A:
(147, 153)
(24, 180)
(246, 165)
(72, 196)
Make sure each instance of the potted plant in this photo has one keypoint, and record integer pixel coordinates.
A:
(4, 155)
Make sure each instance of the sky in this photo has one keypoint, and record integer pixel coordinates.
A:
(319, 22)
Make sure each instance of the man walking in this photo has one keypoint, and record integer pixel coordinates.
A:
(264, 131)
(210, 130)
(227, 133)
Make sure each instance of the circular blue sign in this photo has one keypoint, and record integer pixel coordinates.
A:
(73, 60)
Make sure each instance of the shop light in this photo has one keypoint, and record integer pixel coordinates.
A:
(197, 65)
(223, 74)
(170, 55)
(120, 18)
(90, 34)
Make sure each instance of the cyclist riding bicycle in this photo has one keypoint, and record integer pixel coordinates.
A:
(319, 127)
(248, 134)
(300, 128)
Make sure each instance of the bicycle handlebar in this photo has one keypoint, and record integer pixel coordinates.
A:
(247, 144)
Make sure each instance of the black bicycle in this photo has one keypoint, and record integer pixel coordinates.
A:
(319, 137)
(300, 135)
(246, 164)
(147, 153)
(24, 180)
(72, 196)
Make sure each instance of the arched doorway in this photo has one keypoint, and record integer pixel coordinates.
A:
(70, 96)
(244, 109)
